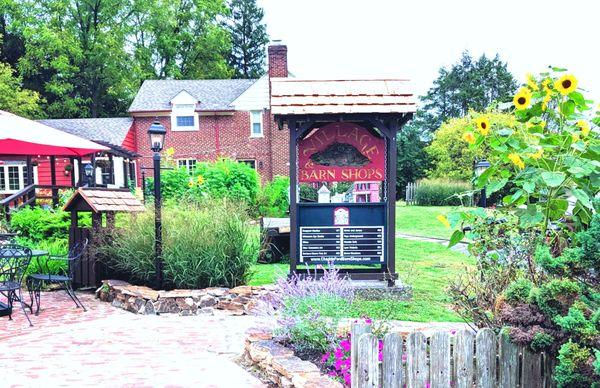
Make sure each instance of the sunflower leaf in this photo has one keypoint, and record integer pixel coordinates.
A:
(553, 179)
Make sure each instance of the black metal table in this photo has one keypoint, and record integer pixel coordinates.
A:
(4, 309)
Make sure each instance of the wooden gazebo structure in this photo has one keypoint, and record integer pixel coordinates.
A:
(341, 130)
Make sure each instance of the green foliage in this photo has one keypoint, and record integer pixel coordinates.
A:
(308, 192)
(224, 178)
(249, 39)
(439, 192)
(14, 98)
(573, 369)
(550, 157)
(87, 58)
(38, 224)
(272, 199)
(467, 85)
(542, 341)
(412, 160)
(554, 297)
(451, 157)
(316, 319)
(518, 291)
(205, 244)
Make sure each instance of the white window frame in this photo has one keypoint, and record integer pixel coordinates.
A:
(252, 122)
(184, 110)
(186, 163)
(5, 189)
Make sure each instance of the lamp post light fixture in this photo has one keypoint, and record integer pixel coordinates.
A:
(157, 133)
(89, 171)
(480, 167)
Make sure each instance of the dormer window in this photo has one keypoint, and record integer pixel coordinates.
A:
(183, 113)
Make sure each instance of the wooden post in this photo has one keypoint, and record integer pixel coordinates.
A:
(72, 172)
(391, 202)
(356, 331)
(417, 373)
(293, 128)
(368, 361)
(509, 362)
(111, 169)
(53, 181)
(93, 162)
(463, 359)
(126, 173)
(393, 370)
(485, 354)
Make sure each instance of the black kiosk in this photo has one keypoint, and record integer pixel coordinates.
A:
(343, 131)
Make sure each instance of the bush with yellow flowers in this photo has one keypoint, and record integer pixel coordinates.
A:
(543, 284)
(552, 158)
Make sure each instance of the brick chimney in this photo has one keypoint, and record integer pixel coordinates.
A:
(278, 60)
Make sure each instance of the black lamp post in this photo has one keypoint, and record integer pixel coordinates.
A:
(157, 133)
(89, 171)
(480, 167)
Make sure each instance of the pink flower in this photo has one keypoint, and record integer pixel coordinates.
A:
(325, 357)
(338, 364)
(404, 357)
(368, 321)
(345, 344)
(339, 353)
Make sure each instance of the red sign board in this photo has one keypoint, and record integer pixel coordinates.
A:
(340, 152)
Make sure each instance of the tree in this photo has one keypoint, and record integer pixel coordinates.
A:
(249, 39)
(14, 98)
(412, 160)
(467, 85)
(180, 39)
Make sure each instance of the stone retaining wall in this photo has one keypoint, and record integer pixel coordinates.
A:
(144, 300)
(279, 365)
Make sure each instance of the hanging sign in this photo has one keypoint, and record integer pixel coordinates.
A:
(340, 152)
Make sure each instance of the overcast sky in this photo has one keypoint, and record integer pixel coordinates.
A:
(412, 39)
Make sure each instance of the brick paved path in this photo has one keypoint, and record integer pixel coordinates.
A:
(113, 348)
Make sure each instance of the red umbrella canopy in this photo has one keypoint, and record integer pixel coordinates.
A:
(21, 136)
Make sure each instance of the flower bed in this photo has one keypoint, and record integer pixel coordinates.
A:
(144, 300)
(279, 365)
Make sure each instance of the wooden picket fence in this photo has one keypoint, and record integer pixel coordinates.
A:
(445, 360)
(411, 189)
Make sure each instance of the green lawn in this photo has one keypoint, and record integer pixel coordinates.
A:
(426, 266)
(421, 220)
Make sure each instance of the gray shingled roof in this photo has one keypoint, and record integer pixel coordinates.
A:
(213, 94)
(110, 130)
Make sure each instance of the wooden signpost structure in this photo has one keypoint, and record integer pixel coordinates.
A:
(343, 131)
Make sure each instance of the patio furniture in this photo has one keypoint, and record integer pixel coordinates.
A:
(73, 261)
(14, 260)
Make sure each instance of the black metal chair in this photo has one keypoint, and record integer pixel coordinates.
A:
(14, 261)
(65, 277)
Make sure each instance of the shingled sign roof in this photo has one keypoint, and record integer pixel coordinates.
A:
(103, 200)
(212, 94)
(106, 130)
(294, 96)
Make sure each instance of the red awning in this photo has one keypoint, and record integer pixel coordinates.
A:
(21, 136)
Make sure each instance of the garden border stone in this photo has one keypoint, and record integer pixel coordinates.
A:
(144, 300)
(278, 364)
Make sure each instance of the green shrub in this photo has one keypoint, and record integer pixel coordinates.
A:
(223, 178)
(573, 369)
(308, 193)
(439, 192)
(39, 224)
(205, 244)
(56, 247)
(272, 200)
(518, 291)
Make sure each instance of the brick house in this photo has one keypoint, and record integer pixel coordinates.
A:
(208, 119)
(205, 120)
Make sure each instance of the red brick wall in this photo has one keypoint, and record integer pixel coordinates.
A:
(278, 61)
(220, 135)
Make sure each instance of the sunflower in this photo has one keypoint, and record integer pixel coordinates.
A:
(191, 183)
(444, 220)
(200, 179)
(584, 126)
(483, 125)
(516, 160)
(531, 82)
(575, 137)
(522, 99)
(545, 101)
(566, 84)
(468, 137)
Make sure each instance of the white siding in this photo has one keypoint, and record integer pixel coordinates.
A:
(256, 97)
